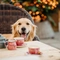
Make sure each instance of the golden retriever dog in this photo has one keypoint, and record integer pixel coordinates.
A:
(24, 28)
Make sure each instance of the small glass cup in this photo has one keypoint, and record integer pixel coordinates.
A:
(11, 45)
(34, 50)
(19, 41)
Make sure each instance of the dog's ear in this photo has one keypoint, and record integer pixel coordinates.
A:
(13, 28)
(14, 32)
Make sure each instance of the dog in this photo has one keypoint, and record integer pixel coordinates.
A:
(23, 27)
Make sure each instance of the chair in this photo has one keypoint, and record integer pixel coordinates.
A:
(9, 14)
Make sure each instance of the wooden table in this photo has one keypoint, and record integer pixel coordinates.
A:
(48, 52)
(8, 36)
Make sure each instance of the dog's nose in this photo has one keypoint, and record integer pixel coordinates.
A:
(23, 29)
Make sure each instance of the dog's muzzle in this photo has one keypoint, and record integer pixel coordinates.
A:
(23, 34)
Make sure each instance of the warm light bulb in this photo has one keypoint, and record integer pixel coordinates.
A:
(53, 4)
(20, 6)
(37, 12)
(37, 5)
(37, 18)
(33, 13)
(30, 12)
(43, 6)
(35, 2)
(56, 2)
(52, 7)
(50, 3)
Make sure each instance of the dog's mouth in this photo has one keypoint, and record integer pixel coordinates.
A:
(24, 35)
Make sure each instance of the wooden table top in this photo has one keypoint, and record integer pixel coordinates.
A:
(8, 36)
(48, 52)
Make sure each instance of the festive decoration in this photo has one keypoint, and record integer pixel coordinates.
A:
(40, 10)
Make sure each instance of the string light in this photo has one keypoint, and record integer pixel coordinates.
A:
(37, 18)
(38, 15)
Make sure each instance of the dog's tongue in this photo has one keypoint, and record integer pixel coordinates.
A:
(23, 35)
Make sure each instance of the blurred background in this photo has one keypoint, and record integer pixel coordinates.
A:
(46, 15)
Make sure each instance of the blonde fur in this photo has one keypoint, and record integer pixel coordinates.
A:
(31, 27)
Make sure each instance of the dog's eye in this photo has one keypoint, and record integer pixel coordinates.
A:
(27, 23)
(19, 23)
